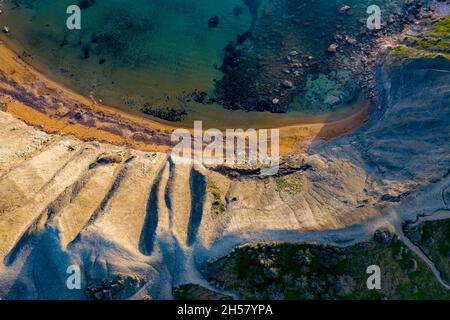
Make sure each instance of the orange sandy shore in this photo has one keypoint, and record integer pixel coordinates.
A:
(22, 84)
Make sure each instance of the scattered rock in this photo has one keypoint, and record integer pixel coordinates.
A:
(350, 40)
(288, 84)
(333, 48)
(394, 198)
(5, 29)
(391, 19)
(107, 159)
(114, 158)
(344, 8)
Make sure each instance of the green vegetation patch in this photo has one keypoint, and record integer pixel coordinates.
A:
(291, 184)
(71, 148)
(152, 155)
(433, 237)
(441, 27)
(404, 51)
(218, 205)
(432, 44)
(411, 52)
(307, 271)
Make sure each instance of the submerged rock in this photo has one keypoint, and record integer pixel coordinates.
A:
(333, 48)
(237, 11)
(86, 4)
(213, 22)
(344, 8)
(288, 84)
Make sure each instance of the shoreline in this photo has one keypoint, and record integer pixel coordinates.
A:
(35, 98)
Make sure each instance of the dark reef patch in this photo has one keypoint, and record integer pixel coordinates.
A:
(170, 114)
(284, 61)
(213, 22)
(86, 4)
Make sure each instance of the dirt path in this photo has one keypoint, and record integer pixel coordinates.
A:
(341, 237)
(419, 252)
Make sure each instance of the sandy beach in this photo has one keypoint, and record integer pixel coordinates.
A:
(34, 98)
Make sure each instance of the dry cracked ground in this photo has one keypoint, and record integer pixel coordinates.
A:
(142, 224)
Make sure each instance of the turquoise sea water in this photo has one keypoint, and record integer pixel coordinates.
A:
(150, 48)
(132, 53)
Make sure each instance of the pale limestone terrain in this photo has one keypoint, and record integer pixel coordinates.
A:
(149, 220)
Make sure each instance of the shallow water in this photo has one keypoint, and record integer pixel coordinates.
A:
(151, 48)
(132, 53)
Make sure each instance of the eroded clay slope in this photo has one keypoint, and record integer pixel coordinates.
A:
(139, 224)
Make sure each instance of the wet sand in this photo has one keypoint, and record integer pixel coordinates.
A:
(25, 90)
